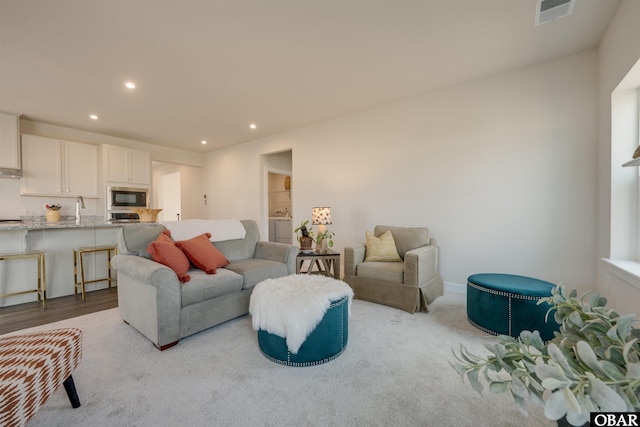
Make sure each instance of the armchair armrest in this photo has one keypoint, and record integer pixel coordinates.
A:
(279, 252)
(420, 265)
(353, 255)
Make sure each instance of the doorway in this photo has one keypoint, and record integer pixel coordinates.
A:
(277, 197)
(169, 197)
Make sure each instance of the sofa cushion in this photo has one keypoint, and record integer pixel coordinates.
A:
(381, 248)
(203, 286)
(255, 271)
(387, 271)
(242, 248)
(406, 238)
(165, 251)
(134, 240)
(202, 253)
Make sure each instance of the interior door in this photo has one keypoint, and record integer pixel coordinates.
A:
(170, 197)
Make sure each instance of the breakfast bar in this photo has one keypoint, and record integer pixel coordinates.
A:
(57, 241)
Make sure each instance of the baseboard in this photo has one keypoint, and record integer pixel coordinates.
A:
(455, 288)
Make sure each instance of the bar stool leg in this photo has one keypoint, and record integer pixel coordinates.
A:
(75, 272)
(84, 295)
(42, 280)
(109, 267)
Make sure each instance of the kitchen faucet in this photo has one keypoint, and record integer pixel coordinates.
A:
(79, 205)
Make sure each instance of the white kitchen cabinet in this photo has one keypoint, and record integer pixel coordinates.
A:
(52, 167)
(9, 141)
(126, 165)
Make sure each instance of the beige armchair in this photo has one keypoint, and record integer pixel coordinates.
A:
(410, 284)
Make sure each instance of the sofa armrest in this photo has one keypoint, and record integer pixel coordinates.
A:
(420, 265)
(279, 252)
(144, 270)
(149, 297)
(353, 255)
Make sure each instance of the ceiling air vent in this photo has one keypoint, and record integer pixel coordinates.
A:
(550, 10)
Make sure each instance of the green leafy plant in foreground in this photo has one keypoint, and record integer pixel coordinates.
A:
(592, 364)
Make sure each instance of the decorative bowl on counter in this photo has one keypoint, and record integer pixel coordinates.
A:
(146, 214)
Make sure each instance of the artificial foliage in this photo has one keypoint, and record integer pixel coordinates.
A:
(591, 365)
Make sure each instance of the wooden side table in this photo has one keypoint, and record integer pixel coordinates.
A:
(327, 263)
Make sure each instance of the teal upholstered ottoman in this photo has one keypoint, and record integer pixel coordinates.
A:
(301, 320)
(327, 341)
(505, 304)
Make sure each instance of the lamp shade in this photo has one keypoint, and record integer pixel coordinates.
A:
(321, 216)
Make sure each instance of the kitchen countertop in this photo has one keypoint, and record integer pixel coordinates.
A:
(87, 222)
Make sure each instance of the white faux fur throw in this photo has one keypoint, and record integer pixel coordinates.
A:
(292, 306)
(220, 229)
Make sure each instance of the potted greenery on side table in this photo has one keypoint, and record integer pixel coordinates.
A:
(592, 364)
(306, 237)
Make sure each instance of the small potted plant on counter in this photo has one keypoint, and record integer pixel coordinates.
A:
(52, 212)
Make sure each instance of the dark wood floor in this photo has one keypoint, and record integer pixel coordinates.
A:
(20, 316)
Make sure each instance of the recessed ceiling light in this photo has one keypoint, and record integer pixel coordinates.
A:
(130, 85)
(93, 117)
(253, 126)
(203, 142)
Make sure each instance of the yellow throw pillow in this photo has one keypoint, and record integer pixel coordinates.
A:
(381, 248)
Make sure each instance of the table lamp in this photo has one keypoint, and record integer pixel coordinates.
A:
(321, 216)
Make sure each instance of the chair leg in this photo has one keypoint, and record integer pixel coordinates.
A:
(70, 388)
(84, 294)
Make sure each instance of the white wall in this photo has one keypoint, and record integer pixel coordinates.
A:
(502, 170)
(618, 52)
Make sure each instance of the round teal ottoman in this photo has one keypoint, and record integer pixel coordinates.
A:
(506, 304)
(301, 320)
(327, 341)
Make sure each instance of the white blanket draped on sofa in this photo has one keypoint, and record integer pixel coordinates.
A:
(291, 307)
(220, 229)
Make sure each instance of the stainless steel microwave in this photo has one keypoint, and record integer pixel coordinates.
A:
(119, 198)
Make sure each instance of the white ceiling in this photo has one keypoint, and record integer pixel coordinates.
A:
(207, 69)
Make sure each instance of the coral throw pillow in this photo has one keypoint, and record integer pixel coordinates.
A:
(165, 251)
(202, 253)
(381, 249)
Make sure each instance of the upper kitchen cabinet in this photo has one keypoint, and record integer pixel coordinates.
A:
(126, 166)
(52, 167)
(9, 141)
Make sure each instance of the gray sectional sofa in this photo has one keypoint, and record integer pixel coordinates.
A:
(152, 300)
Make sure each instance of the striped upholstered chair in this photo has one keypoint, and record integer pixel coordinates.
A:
(32, 366)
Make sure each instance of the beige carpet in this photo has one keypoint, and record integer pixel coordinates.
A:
(394, 372)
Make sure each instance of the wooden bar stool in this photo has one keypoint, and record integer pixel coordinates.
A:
(78, 254)
(41, 288)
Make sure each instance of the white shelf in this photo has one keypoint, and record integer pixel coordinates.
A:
(634, 162)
